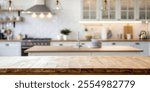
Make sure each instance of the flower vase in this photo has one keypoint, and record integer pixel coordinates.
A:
(65, 37)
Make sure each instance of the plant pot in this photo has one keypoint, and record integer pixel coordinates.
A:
(88, 38)
(65, 37)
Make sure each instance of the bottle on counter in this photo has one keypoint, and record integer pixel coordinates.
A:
(104, 31)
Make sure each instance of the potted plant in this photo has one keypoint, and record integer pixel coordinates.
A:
(88, 36)
(65, 33)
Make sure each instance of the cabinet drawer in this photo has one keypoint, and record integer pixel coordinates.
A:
(63, 43)
(10, 48)
(116, 43)
(10, 44)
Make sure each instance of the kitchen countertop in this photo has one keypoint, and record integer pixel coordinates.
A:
(75, 65)
(83, 40)
(107, 40)
(1, 40)
(38, 49)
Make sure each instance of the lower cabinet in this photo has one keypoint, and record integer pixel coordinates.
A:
(61, 54)
(115, 53)
(10, 48)
(83, 44)
(145, 46)
(86, 54)
(141, 45)
(63, 43)
(116, 43)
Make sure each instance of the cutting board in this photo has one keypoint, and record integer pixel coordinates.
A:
(128, 29)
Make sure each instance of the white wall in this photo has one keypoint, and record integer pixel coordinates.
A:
(68, 18)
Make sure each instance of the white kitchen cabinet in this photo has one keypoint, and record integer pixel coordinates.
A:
(128, 9)
(115, 10)
(10, 48)
(145, 46)
(61, 54)
(143, 9)
(115, 53)
(83, 44)
(63, 43)
(89, 9)
(98, 10)
(108, 9)
(141, 45)
(116, 43)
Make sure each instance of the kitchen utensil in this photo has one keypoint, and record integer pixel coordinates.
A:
(8, 33)
(128, 29)
(143, 35)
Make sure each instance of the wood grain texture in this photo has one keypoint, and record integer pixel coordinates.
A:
(84, 49)
(75, 65)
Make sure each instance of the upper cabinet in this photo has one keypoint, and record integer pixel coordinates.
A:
(144, 9)
(115, 10)
(128, 9)
(89, 9)
(108, 9)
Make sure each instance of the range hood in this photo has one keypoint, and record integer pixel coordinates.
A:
(39, 7)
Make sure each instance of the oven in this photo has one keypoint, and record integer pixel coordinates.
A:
(30, 42)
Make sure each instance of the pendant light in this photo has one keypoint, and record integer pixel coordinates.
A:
(10, 5)
(105, 6)
(58, 7)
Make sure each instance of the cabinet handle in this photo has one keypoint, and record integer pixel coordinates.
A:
(113, 43)
(6, 44)
(137, 43)
(82, 43)
(60, 44)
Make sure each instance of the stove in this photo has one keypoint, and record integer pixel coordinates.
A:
(30, 42)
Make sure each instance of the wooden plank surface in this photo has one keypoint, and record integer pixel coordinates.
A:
(75, 65)
(84, 49)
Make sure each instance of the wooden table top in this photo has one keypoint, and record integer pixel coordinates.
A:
(75, 49)
(75, 65)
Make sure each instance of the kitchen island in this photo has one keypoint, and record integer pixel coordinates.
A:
(84, 51)
(78, 65)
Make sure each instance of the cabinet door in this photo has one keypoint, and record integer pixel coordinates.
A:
(108, 9)
(63, 43)
(144, 9)
(89, 9)
(115, 43)
(148, 9)
(143, 46)
(10, 49)
(128, 9)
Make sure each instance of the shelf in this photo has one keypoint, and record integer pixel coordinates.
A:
(14, 10)
(10, 21)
